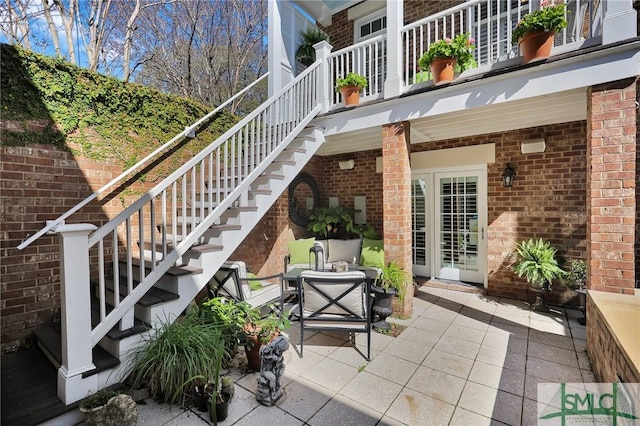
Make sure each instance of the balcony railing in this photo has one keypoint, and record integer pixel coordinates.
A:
(367, 58)
(489, 22)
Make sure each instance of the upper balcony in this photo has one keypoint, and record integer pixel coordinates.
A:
(387, 40)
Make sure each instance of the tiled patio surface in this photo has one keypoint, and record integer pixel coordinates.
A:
(463, 359)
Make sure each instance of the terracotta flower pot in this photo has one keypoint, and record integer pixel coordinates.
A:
(350, 95)
(442, 70)
(536, 46)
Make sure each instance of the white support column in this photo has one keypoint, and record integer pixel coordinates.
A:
(275, 45)
(75, 304)
(323, 49)
(395, 21)
(619, 21)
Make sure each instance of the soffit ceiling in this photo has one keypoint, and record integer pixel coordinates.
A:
(323, 10)
(551, 109)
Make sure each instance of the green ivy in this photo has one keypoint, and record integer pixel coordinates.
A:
(101, 117)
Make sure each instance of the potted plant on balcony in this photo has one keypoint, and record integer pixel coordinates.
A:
(577, 281)
(537, 263)
(392, 281)
(306, 53)
(535, 31)
(445, 57)
(350, 87)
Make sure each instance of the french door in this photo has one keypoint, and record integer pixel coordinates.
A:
(449, 222)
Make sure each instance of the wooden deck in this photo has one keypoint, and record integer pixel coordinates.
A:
(29, 389)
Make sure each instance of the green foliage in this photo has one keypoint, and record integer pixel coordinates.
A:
(394, 276)
(461, 47)
(329, 221)
(102, 117)
(577, 275)
(174, 354)
(230, 317)
(306, 54)
(537, 263)
(547, 18)
(351, 79)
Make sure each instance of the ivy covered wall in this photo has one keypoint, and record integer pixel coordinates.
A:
(64, 133)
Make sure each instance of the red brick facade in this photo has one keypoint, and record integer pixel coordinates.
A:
(611, 206)
(396, 196)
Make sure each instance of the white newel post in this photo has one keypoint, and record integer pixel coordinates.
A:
(619, 21)
(323, 49)
(75, 304)
(395, 20)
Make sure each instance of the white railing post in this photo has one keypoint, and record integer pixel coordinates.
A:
(395, 22)
(619, 21)
(323, 49)
(75, 304)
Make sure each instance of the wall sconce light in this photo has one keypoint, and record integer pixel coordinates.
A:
(508, 175)
(346, 165)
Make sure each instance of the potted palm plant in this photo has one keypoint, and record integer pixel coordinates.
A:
(350, 87)
(447, 56)
(537, 263)
(392, 281)
(306, 53)
(534, 33)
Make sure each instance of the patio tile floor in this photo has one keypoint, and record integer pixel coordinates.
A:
(463, 359)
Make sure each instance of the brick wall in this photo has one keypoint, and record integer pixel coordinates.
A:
(341, 29)
(39, 183)
(607, 360)
(611, 206)
(547, 199)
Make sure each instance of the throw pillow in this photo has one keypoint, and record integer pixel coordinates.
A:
(253, 284)
(372, 253)
(299, 250)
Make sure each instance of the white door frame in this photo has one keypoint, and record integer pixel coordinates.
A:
(430, 175)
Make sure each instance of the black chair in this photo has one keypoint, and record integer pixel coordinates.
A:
(335, 301)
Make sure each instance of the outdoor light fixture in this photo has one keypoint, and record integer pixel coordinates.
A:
(507, 176)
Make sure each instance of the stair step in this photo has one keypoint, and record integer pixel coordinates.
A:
(261, 191)
(287, 162)
(200, 248)
(227, 227)
(50, 341)
(115, 333)
(207, 248)
(153, 297)
(244, 209)
(174, 271)
(299, 149)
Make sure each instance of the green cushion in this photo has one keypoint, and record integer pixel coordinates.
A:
(372, 253)
(299, 250)
(253, 284)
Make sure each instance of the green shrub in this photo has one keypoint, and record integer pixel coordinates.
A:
(537, 263)
(174, 354)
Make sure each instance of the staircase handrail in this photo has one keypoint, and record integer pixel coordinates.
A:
(185, 133)
(109, 226)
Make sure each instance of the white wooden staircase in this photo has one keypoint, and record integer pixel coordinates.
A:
(149, 262)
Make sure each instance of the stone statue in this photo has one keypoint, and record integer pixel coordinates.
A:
(269, 389)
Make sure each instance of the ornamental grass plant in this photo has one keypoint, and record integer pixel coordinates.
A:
(460, 47)
(550, 17)
(175, 353)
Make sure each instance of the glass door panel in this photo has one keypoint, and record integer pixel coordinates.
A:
(459, 248)
(421, 252)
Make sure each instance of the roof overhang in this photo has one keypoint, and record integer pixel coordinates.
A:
(323, 10)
